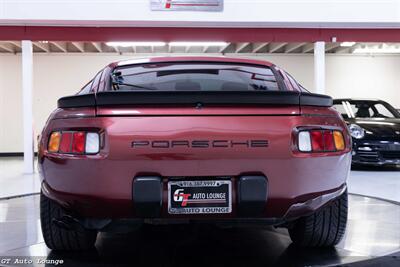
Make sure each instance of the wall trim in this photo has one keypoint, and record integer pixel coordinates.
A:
(13, 154)
(228, 34)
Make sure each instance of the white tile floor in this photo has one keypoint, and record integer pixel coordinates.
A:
(375, 182)
(13, 181)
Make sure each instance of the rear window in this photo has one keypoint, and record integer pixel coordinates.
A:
(194, 77)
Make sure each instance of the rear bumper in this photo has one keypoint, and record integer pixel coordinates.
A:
(102, 188)
(376, 153)
(108, 213)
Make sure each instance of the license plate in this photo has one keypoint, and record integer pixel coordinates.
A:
(199, 197)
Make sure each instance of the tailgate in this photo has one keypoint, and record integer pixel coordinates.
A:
(166, 142)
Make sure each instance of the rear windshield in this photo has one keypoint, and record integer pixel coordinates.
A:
(194, 77)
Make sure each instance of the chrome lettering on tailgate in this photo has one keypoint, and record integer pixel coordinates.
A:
(162, 144)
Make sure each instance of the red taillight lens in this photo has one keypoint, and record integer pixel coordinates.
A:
(317, 141)
(74, 142)
(65, 146)
(321, 141)
(78, 142)
(328, 140)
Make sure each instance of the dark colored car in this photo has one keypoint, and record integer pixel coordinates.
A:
(193, 139)
(375, 129)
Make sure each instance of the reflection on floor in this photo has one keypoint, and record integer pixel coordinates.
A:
(376, 181)
(373, 230)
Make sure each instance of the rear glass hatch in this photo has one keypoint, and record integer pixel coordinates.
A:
(239, 88)
(189, 76)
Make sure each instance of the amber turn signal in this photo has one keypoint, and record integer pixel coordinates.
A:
(54, 142)
(339, 140)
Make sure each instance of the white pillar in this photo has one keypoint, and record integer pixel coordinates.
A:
(27, 83)
(319, 67)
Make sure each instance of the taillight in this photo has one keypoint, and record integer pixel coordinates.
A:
(317, 141)
(304, 141)
(54, 141)
(328, 141)
(92, 143)
(339, 140)
(78, 142)
(66, 140)
(74, 142)
(320, 141)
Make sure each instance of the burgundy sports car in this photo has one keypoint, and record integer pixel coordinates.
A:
(215, 140)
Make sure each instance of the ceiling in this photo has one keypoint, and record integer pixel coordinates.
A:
(42, 47)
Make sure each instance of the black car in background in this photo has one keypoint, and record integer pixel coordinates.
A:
(375, 129)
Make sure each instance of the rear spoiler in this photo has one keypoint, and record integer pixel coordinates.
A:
(310, 99)
(112, 98)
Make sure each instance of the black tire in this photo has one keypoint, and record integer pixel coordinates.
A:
(57, 238)
(324, 228)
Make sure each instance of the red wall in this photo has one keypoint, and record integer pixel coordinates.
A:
(58, 33)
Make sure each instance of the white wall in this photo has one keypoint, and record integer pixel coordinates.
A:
(11, 139)
(265, 13)
(60, 75)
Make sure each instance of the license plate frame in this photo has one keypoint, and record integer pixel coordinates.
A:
(205, 197)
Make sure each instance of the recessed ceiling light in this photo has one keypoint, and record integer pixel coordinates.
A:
(198, 43)
(128, 44)
(347, 44)
(385, 49)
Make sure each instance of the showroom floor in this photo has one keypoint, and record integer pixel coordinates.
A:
(373, 230)
(376, 182)
(13, 181)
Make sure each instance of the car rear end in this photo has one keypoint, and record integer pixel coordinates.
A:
(220, 142)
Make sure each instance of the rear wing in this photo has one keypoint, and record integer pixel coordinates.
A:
(189, 98)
